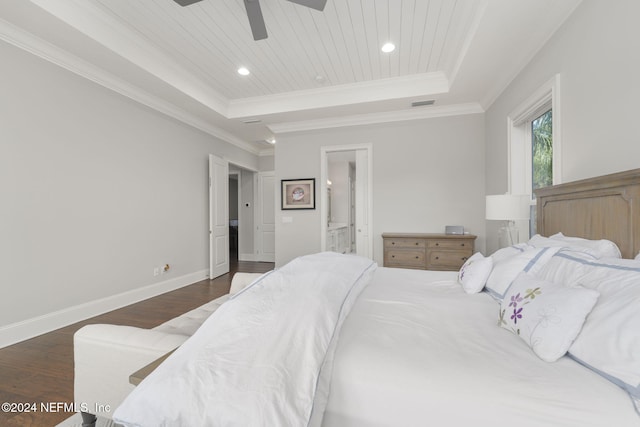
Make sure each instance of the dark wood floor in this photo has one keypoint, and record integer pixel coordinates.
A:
(41, 369)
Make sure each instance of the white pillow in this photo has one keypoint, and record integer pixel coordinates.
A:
(474, 272)
(565, 268)
(610, 340)
(597, 248)
(505, 271)
(509, 251)
(547, 316)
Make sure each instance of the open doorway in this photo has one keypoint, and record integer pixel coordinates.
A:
(241, 211)
(234, 209)
(346, 194)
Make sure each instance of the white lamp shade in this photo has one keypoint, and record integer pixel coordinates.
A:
(508, 207)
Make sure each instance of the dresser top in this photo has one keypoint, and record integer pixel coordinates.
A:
(428, 236)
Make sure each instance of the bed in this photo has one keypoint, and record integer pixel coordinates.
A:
(342, 342)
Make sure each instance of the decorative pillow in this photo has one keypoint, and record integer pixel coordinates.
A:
(505, 271)
(547, 316)
(596, 248)
(474, 273)
(610, 339)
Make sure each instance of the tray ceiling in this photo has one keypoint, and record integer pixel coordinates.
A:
(314, 66)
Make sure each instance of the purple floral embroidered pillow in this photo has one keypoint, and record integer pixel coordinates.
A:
(547, 316)
(474, 272)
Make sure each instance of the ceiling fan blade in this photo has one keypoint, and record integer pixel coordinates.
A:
(186, 2)
(313, 4)
(256, 21)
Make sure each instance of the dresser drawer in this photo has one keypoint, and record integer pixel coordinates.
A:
(405, 258)
(447, 259)
(404, 243)
(450, 244)
(427, 251)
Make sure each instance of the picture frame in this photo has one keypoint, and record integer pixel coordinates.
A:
(298, 193)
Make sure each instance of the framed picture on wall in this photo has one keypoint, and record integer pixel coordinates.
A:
(298, 193)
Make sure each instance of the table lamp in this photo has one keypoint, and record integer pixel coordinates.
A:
(508, 208)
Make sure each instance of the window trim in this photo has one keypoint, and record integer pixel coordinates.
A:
(519, 136)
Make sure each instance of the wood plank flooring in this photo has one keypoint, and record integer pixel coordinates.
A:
(41, 369)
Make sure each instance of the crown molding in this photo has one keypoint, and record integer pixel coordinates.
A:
(47, 51)
(101, 26)
(267, 152)
(377, 118)
(410, 86)
(471, 34)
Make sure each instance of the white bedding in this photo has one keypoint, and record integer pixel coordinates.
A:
(261, 358)
(417, 351)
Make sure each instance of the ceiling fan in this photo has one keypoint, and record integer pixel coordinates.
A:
(254, 13)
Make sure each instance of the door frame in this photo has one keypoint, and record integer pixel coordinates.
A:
(324, 175)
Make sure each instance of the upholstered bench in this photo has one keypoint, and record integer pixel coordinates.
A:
(106, 355)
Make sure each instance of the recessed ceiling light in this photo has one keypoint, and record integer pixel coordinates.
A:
(243, 71)
(388, 47)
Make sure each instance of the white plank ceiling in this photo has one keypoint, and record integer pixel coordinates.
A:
(314, 66)
(212, 39)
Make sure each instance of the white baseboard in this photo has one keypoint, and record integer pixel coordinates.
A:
(247, 257)
(23, 330)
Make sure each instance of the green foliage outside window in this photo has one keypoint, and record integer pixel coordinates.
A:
(542, 151)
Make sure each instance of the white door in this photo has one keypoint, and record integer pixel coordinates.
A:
(363, 214)
(266, 217)
(218, 216)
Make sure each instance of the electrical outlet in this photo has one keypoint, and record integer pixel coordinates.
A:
(156, 271)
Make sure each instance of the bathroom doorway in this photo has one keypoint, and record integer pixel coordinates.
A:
(346, 194)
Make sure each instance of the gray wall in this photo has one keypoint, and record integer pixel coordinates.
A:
(596, 54)
(426, 174)
(97, 190)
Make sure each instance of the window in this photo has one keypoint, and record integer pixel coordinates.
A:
(534, 144)
(542, 151)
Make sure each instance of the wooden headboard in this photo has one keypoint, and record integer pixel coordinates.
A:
(605, 207)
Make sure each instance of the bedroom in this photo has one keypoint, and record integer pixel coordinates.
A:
(115, 154)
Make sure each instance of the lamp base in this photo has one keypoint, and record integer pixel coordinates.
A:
(508, 235)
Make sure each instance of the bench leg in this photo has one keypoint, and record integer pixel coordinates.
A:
(88, 420)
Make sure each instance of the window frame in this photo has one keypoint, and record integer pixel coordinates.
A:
(519, 137)
(519, 142)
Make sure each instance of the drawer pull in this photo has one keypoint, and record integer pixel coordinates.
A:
(417, 257)
(417, 243)
(462, 244)
(464, 258)
(393, 256)
(437, 244)
(393, 243)
(437, 257)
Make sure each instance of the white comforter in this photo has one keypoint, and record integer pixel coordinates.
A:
(263, 358)
(417, 351)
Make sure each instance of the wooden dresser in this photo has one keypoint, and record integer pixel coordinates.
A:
(427, 251)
